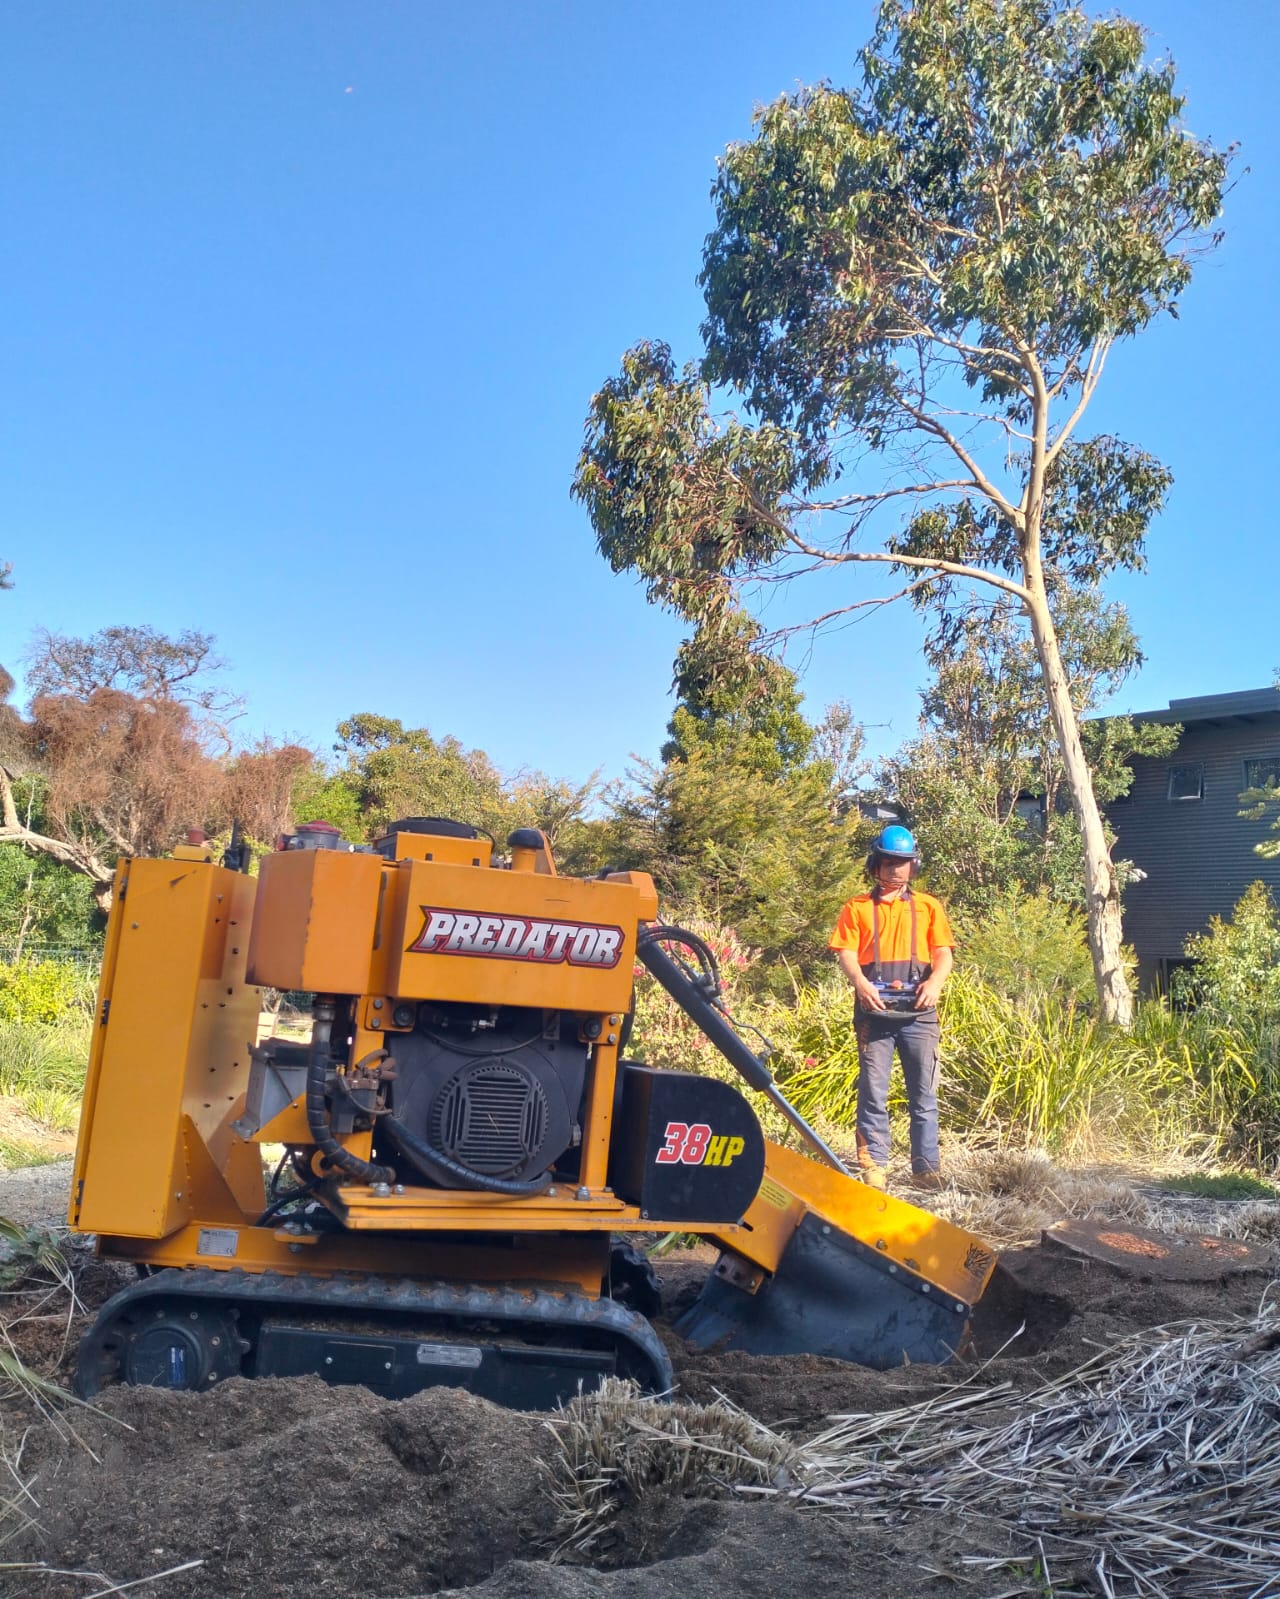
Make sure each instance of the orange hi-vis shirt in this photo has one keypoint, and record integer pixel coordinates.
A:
(856, 930)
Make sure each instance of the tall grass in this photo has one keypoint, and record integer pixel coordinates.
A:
(1043, 1072)
(42, 1070)
(46, 1010)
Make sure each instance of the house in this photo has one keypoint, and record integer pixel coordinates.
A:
(1180, 823)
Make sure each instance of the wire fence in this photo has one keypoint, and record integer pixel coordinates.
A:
(86, 958)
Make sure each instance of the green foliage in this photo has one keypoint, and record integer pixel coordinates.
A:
(1029, 947)
(40, 992)
(30, 1252)
(1236, 979)
(42, 1068)
(45, 905)
(16, 1153)
(1256, 805)
(392, 771)
(333, 797)
(734, 834)
(1008, 192)
(1052, 1075)
(1011, 176)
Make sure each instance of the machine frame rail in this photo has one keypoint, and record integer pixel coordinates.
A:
(599, 1335)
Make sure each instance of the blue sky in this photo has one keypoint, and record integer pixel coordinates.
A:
(304, 305)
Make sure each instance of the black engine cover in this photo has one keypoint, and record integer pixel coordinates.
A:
(685, 1148)
(501, 1101)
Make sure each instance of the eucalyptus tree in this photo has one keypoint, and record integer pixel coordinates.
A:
(912, 289)
(984, 782)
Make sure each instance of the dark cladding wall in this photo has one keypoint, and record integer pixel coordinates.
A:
(1197, 854)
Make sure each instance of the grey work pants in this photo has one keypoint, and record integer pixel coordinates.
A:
(915, 1037)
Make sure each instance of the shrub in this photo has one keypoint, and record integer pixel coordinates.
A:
(1236, 978)
(40, 992)
(1028, 946)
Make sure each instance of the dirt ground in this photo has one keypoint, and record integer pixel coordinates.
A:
(288, 1487)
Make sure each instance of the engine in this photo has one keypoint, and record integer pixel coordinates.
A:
(493, 1095)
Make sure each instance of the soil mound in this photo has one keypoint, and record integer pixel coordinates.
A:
(288, 1487)
(282, 1487)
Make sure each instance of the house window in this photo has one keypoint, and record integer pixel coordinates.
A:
(1261, 771)
(1187, 782)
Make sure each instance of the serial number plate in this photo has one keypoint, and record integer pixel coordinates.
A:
(217, 1241)
(449, 1355)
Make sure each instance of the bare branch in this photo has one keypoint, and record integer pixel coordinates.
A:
(815, 623)
(1097, 359)
(847, 500)
(931, 424)
(921, 563)
(969, 353)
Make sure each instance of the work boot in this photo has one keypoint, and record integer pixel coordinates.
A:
(931, 1181)
(874, 1177)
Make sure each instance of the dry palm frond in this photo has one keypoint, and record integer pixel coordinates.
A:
(1154, 1470)
(1157, 1466)
(615, 1444)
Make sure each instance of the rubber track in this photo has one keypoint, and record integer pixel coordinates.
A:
(348, 1292)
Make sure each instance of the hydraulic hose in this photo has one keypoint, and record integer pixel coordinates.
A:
(697, 999)
(440, 1168)
(323, 1011)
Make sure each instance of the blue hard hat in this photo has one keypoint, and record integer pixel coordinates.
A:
(896, 840)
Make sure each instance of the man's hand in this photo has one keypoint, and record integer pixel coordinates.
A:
(930, 991)
(868, 994)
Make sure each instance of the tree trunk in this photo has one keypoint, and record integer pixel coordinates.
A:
(76, 858)
(1102, 894)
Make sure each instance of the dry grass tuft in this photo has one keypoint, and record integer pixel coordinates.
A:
(615, 1445)
(1010, 1196)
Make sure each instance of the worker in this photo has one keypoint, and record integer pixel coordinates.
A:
(894, 945)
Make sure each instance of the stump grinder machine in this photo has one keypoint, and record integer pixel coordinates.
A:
(463, 1148)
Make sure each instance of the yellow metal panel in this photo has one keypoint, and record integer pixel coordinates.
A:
(315, 919)
(647, 894)
(512, 938)
(110, 956)
(287, 1126)
(440, 847)
(597, 1120)
(172, 1061)
(955, 1261)
(578, 1260)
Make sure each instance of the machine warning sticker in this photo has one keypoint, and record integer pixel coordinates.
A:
(449, 1355)
(217, 1241)
(697, 1145)
(774, 1194)
(517, 938)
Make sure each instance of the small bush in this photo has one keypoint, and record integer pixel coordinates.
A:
(1236, 979)
(1028, 946)
(36, 993)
